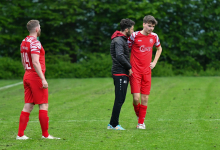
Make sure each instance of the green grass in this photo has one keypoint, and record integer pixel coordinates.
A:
(183, 114)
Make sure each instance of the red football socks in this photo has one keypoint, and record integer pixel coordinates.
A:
(142, 114)
(24, 118)
(44, 122)
(137, 109)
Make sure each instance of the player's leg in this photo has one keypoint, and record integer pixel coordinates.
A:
(28, 107)
(144, 99)
(142, 112)
(143, 108)
(136, 103)
(121, 84)
(44, 119)
(135, 82)
(41, 97)
(24, 116)
(23, 121)
(145, 90)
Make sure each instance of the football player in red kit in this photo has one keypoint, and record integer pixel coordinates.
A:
(141, 43)
(35, 84)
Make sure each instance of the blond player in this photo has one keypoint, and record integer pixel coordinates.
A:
(35, 84)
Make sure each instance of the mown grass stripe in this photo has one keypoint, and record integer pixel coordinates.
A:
(12, 85)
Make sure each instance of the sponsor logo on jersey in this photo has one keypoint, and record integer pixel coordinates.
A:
(143, 48)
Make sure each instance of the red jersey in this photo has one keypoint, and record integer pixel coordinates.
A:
(141, 51)
(30, 45)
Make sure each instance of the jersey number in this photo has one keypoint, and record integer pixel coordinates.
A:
(26, 61)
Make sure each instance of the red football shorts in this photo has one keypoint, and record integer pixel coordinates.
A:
(33, 91)
(140, 83)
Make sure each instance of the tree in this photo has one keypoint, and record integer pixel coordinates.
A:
(189, 30)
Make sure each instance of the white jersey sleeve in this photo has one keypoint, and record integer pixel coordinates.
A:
(131, 39)
(35, 47)
(157, 43)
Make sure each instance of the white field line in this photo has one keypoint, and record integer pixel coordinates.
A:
(8, 86)
(159, 120)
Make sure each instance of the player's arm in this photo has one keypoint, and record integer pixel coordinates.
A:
(157, 56)
(22, 61)
(37, 67)
(131, 40)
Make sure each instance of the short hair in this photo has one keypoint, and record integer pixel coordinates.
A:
(32, 24)
(150, 19)
(126, 23)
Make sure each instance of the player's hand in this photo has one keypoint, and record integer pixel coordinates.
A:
(152, 65)
(130, 72)
(45, 84)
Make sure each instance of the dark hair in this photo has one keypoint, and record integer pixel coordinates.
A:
(32, 24)
(150, 19)
(126, 23)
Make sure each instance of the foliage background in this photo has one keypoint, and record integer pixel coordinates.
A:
(76, 35)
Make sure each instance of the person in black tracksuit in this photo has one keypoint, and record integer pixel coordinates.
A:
(121, 68)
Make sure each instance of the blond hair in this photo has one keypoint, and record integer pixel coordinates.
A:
(32, 24)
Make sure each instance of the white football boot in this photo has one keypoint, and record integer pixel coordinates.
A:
(141, 126)
(50, 137)
(24, 137)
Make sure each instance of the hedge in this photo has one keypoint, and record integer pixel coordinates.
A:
(91, 66)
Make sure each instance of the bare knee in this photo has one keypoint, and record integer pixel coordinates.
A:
(28, 107)
(43, 106)
(144, 99)
(136, 98)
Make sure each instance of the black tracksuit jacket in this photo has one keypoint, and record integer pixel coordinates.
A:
(120, 54)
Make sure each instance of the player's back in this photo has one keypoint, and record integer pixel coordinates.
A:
(30, 45)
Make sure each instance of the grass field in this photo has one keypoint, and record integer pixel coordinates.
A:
(183, 114)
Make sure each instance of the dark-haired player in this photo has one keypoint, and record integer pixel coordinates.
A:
(121, 68)
(141, 43)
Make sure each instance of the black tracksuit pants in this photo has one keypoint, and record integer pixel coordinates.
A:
(121, 84)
